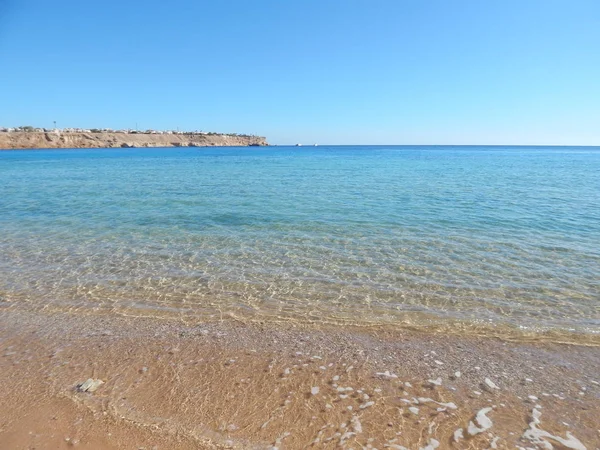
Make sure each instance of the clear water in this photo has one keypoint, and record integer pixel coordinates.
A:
(470, 239)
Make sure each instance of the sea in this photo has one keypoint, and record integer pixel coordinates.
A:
(501, 241)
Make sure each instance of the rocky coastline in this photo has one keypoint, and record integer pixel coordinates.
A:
(54, 139)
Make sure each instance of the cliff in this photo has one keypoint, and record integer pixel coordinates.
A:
(20, 140)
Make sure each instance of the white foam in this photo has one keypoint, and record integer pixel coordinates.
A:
(432, 445)
(540, 437)
(356, 425)
(449, 405)
(483, 422)
(458, 434)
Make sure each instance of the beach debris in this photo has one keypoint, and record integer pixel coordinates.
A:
(366, 405)
(490, 384)
(483, 422)
(414, 410)
(314, 390)
(457, 374)
(89, 385)
(540, 437)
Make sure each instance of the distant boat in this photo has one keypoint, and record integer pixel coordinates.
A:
(315, 145)
(298, 145)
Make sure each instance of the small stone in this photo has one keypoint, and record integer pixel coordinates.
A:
(314, 390)
(386, 374)
(490, 384)
(90, 385)
(436, 382)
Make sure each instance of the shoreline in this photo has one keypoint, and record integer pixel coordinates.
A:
(230, 384)
(420, 323)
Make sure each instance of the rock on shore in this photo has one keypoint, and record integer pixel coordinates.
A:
(24, 140)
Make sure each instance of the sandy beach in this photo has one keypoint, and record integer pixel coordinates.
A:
(300, 225)
(170, 385)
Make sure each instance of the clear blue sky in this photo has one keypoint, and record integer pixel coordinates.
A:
(325, 71)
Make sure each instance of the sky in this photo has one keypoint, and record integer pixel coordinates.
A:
(309, 71)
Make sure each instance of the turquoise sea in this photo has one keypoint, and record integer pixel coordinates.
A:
(501, 240)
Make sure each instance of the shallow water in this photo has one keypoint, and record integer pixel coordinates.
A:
(504, 240)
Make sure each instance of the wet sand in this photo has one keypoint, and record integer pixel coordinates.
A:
(173, 385)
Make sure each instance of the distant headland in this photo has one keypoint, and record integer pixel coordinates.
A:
(28, 137)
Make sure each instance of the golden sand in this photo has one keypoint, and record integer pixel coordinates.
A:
(168, 385)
